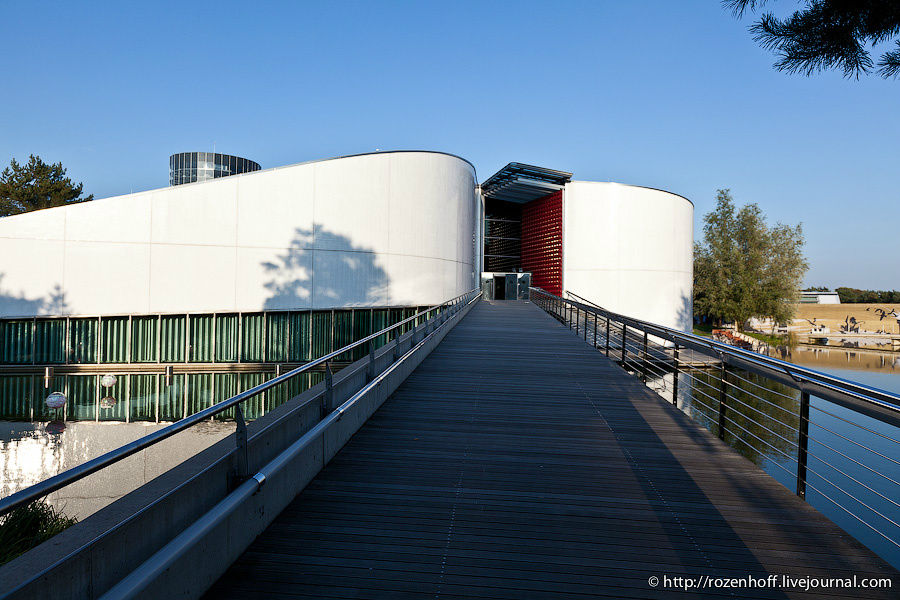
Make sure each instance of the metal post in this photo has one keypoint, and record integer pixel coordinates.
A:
(595, 330)
(242, 465)
(585, 325)
(646, 358)
(575, 312)
(803, 444)
(675, 382)
(723, 395)
(170, 371)
(624, 346)
(48, 376)
(328, 396)
(370, 368)
(607, 336)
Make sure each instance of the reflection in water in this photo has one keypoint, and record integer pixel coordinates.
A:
(32, 452)
(825, 359)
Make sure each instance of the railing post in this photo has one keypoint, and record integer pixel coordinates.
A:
(575, 312)
(585, 324)
(328, 396)
(242, 466)
(595, 330)
(397, 347)
(803, 444)
(370, 368)
(607, 336)
(675, 382)
(723, 395)
(646, 359)
(624, 344)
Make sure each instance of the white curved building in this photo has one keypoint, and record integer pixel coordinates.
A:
(389, 229)
(383, 229)
(626, 248)
(630, 250)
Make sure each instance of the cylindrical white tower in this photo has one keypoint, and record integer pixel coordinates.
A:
(630, 250)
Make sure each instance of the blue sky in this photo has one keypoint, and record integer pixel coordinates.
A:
(673, 95)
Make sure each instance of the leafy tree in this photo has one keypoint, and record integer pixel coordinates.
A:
(820, 288)
(829, 34)
(743, 268)
(36, 185)
(857, 296)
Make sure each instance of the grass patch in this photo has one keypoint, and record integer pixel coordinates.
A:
(27, 526)
(772, 340)
(704, 329)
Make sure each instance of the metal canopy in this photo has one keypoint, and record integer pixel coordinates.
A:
(518, 182)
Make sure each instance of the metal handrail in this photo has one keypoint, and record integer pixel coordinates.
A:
(78, 472)
(727, 400)
(858, 391)
(146, 574)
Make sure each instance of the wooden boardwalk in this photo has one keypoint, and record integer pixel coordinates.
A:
(517, 462)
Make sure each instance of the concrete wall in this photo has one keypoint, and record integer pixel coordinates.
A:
(392, 228)
(630, 250)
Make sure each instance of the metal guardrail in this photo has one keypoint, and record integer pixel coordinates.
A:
(726, 393)
(43, 488)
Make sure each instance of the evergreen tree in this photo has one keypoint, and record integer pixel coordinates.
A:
(36, 185)
(744, 268)
(829, 34)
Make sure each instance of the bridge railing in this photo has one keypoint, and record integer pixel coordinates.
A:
(439, 314)
(846, 455)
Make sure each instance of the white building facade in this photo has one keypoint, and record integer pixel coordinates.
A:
(383, 229)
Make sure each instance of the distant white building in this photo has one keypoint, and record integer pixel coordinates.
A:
(819, 298)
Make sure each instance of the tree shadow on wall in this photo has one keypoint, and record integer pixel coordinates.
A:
(324, 269)
(20, 305)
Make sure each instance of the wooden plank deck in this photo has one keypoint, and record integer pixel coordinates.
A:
(517, 462)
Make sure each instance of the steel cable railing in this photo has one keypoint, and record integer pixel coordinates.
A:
(763, 404)
(414, 323)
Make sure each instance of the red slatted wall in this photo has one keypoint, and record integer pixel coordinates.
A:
(542, 242)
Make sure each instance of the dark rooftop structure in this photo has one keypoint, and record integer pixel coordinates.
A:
(518, 182)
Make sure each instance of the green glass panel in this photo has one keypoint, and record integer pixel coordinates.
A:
(201, 336)
(118, 393)
(343, 333)
(299, 337)
(254, 407)
(171, 399)
(199, 392)
(278, 327)
(142, 397)
(114, 339)
(17, 342)
(381, 319)
(252, 337)
(16, 392)
(50, 341)
(143, 339)
(41, 411)
(315, 378)
(171, 337)
(83, 340)
(289, 389)
(396, 315)
(226, 338)
(362, 327)
(321, 333)
(82, 404)
(407, 313)
(226, 386)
